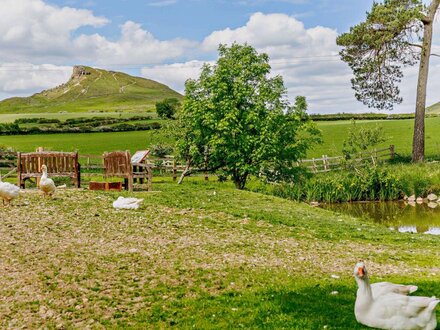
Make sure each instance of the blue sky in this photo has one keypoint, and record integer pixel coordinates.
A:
(196, 19)
(169, 40)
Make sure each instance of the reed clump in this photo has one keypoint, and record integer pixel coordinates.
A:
(369, 183)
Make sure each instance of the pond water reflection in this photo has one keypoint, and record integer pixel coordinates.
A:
(401, 216)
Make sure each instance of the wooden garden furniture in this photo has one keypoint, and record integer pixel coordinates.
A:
(119, 164)
(59, 164)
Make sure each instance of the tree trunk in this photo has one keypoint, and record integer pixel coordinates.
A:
(240, 180)
(186, 172)
(418, 153)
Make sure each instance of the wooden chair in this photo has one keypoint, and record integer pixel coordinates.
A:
(59, 164)
(118, 164)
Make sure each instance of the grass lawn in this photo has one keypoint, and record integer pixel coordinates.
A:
(86, 143)
(198, 255)
(398, 132)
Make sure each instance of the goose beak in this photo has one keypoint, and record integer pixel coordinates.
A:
(361, 272)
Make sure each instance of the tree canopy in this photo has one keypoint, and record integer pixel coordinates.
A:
(236, 118)
(167, 108)
(396, 33)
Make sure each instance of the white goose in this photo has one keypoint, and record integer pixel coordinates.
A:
(389, 309)
(8, 192)
(128, 203)
(47, 186)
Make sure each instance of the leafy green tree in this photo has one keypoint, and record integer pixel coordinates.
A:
(167, 108)
(396, 33)
(361, 139)
(235, 118)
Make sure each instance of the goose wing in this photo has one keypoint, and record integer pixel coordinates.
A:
(381, 288)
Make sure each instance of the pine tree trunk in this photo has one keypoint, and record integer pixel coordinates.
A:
(418, 153)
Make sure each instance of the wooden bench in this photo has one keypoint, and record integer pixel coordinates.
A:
(118, 164)
(59, 164)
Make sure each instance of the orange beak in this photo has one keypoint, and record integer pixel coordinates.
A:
(361, 271)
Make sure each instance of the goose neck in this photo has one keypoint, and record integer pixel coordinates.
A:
(365, 288)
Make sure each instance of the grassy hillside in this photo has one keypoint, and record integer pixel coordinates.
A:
(435, 108)
(93, 90)
(186, 259)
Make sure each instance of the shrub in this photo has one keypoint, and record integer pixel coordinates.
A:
(362, 138)
(167, 108)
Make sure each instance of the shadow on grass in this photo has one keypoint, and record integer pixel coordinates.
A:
(301, 305)
(311, 307)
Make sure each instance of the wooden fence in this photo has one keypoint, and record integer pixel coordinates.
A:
(163, 165)
(8, 163)
(92, 164)
(327, 164)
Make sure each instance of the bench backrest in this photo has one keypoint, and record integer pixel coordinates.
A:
(118, 164)
(61, 163)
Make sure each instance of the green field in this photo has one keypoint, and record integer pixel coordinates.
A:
(398, 132)
(86, 143)
(188, 259)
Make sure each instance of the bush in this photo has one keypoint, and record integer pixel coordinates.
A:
(82, 126)
(167, 108)
(37, 121)
(366, 184)
(361, 139)
(385, 182)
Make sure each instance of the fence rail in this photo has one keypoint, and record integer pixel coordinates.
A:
(90, 164)
(327, 164)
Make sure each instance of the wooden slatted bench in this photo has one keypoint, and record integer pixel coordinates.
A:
(119, 164)
(59, 164)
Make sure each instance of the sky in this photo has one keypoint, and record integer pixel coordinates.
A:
(169, 40)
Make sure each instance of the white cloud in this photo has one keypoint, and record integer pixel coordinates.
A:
(135, 46)
(33, 29)
(308, 61)
(306, 58)
(25, 78)
(174, 75)
(162, 3)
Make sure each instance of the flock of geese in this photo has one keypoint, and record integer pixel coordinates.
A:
(380, 305)
(9, 191)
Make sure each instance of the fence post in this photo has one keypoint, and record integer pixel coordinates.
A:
(392, 153)
(325, 162)
(19, 171)
(372, 157)
(39, 149)
(174, 170)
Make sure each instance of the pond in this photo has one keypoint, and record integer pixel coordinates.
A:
(401, 216)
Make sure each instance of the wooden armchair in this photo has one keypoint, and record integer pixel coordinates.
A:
(118, 164)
